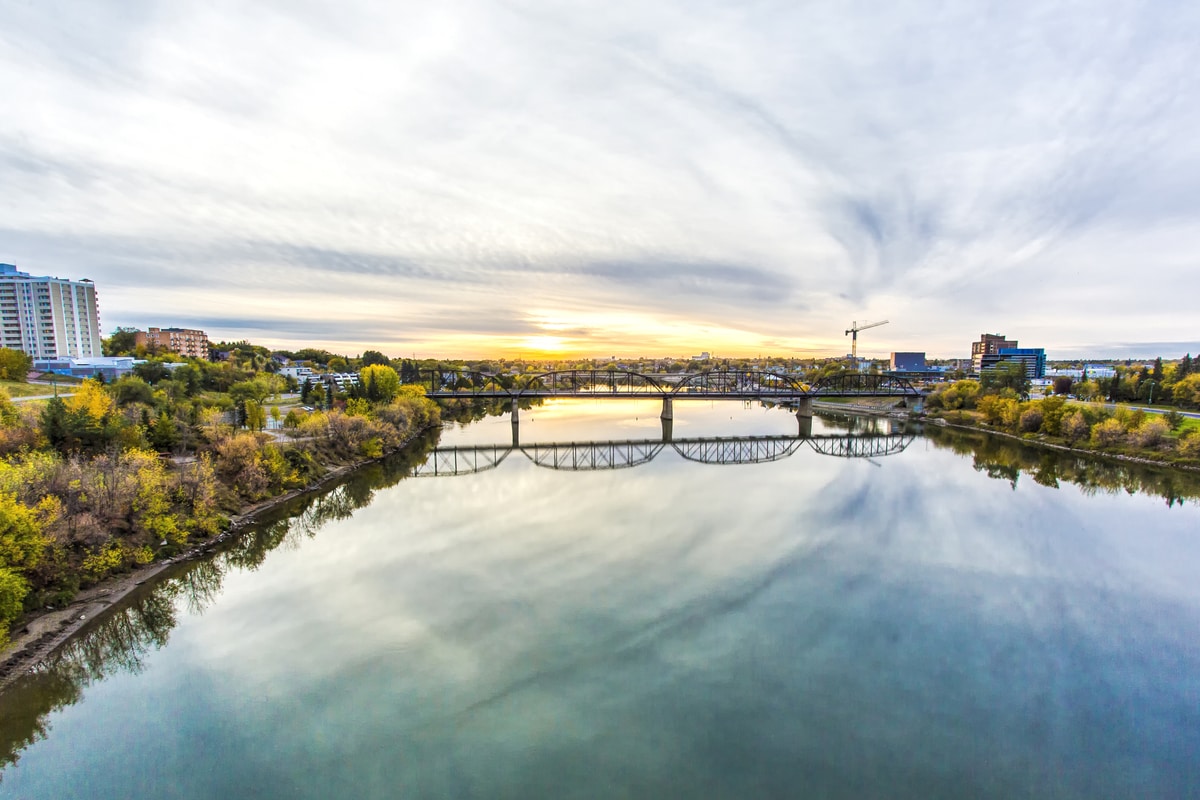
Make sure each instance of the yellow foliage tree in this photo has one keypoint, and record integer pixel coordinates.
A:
(91, 398)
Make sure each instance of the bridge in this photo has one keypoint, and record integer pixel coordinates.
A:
(625, 385)
(627, 453)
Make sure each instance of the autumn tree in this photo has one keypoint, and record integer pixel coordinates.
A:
(380, 383)
(14, 364)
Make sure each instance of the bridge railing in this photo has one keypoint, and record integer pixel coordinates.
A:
(623, 454)
(594, 382)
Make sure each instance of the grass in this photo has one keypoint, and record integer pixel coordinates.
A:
(1189, 423)
(18, 389)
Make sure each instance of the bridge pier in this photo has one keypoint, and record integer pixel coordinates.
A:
(516, 433)
(804, 408)
(667, 430)
(668, 412)
(805, 427)
(515, 410)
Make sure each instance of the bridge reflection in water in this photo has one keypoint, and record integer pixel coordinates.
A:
(628, 453)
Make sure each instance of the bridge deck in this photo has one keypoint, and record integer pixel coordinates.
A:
(658, 395)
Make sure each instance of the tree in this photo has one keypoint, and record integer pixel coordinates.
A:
(152, 371)
(337, 364)
(1005, 375)
(1187, 391)
(1114, 387)
(381, 383)
(163, 433)
(1108, 433)
(1075, 427)
(256, 416)
(1062, 385)
(132, 389)
(13, 589)
(14, 365)
(1185, 367)
(123, 342)
(371, 357)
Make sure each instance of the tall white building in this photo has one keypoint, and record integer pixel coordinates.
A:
(48, 317)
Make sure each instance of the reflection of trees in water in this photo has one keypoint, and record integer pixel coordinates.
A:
(868, 426)
(1008, 460)
(127, 635)
(119, 643)
(472, 409)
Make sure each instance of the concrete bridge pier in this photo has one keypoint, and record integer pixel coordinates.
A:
(516, 433)
(668, 412)
(805, 427)
(515, 411)
(805, 407)
(667, 430)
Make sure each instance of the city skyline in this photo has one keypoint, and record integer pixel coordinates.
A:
(482, 178)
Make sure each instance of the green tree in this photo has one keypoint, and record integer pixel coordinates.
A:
(13, 589)
(131, 389)
(123, 342)
(163, 433)
(372, 357)
(152, 371)
(1005, 375)
(381, 383)
(256, 416)
(14, 364)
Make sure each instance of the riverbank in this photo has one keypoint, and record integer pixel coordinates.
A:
(41, 634)
(1036, 441)
(1062, 448)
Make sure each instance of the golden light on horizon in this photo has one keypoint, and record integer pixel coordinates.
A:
(555, 345)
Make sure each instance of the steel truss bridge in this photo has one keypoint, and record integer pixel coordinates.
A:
(622, 384)
(628, 453)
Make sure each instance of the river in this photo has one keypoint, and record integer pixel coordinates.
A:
(734, 613)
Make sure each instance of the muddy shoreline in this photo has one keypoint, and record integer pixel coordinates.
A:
(43, 633)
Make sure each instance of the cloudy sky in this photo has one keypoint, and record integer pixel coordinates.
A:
(614, 177)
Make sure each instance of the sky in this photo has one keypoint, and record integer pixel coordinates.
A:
(632, 178)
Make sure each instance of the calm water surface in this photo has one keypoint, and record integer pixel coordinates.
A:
(951, 617)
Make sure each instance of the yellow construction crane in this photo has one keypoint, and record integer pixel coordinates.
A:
(853, 334)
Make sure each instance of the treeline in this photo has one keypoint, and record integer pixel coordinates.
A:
(119, 475)
(1166, 437)
(1172, 384)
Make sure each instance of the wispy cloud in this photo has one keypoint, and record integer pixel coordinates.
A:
(762, 171)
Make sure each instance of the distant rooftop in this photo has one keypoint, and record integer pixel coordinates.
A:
(11, 271)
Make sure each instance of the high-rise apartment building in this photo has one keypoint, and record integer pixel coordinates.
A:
(989, 344)
(48, 317)
(184, 341)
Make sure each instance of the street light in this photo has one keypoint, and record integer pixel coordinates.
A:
(1152, 385)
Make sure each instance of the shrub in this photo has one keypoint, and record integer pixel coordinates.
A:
(1031, 420)
(1108, 433)
(1151, 433)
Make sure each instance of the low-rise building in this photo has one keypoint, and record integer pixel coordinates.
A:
(301, 374)
(110, 367)
(908, 362)
(339, 381)
(185, 341)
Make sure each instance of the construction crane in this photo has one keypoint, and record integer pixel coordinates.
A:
(853, 334)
